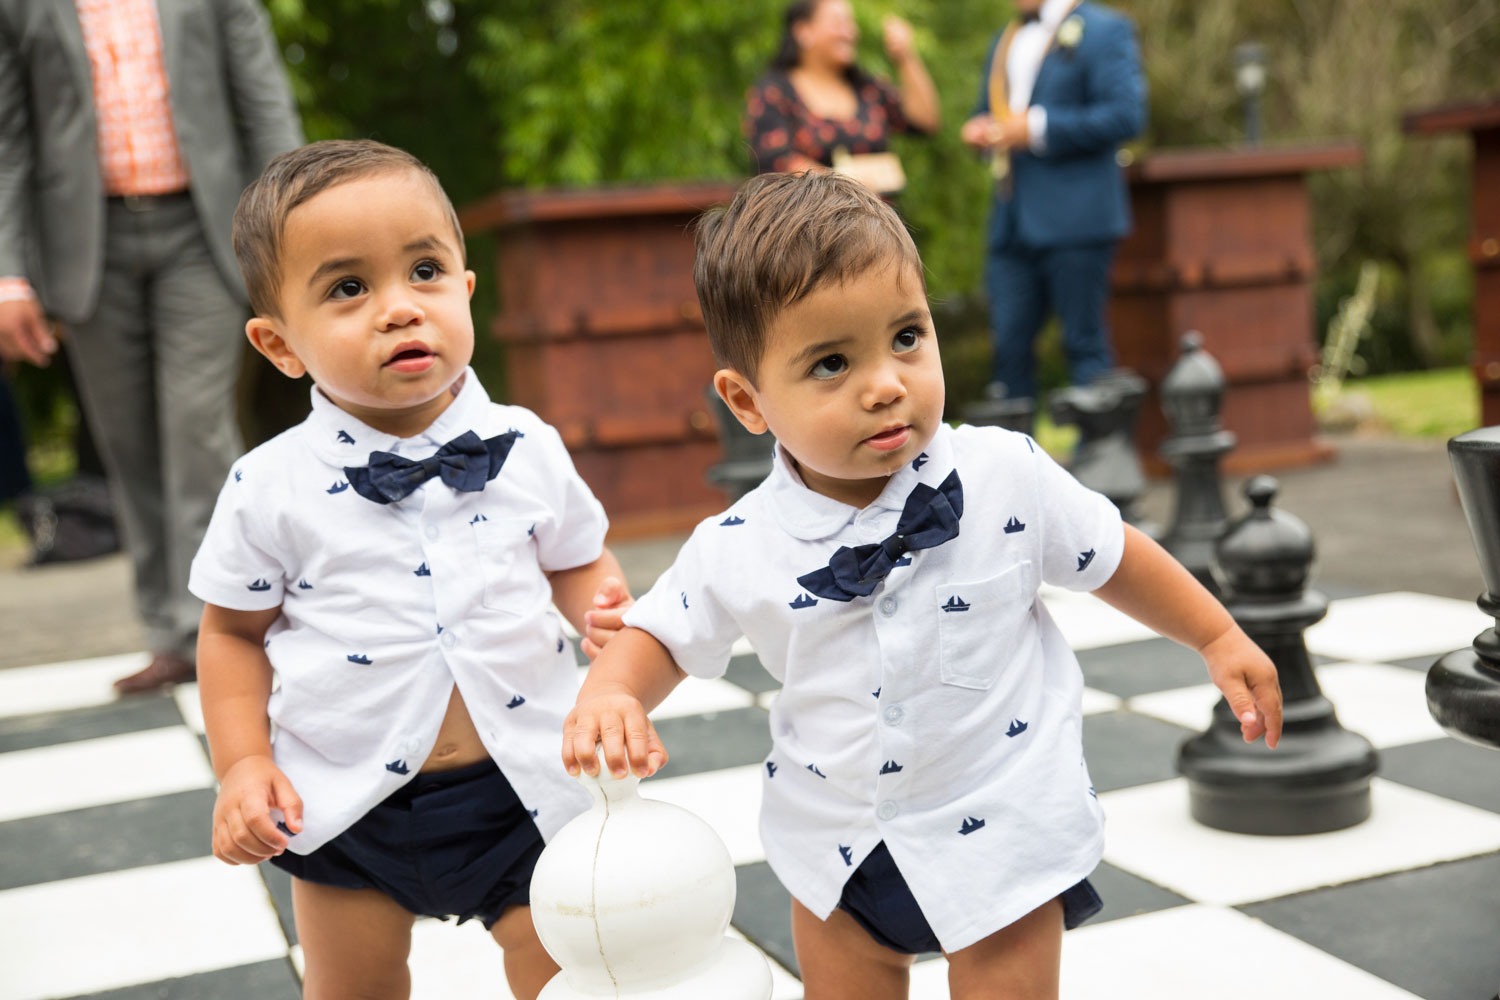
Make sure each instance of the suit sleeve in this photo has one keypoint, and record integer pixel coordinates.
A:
(1114, 109)
(982, 102)
(17, 156)
(264, 112)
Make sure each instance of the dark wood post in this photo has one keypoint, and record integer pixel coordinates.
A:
(1222, 244)
(605, 340)
(1482, 121)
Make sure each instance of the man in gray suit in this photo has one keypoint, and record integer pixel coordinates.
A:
(128, 129)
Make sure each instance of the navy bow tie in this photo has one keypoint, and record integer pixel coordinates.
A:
(928, 518)
(466, 463)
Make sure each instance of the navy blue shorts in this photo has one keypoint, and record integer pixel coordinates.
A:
(447, 843)
(878, 898)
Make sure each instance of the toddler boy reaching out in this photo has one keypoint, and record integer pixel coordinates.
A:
(926, 790)
(390, 562)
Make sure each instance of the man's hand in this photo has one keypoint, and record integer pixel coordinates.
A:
(977, 132)
(244, 831)
(24, 334)
(607, 618)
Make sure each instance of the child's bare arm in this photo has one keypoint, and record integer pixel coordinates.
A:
(1154, 589)
(631, 676)
(234, 683)
(593, 598)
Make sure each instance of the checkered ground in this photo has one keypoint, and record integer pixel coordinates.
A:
(108, 889)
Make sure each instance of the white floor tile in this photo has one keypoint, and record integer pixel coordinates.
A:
(1087, 622)
(727, 800)
(1096, 702)
(1396, 626)
(695, 696)
(784, 985)
(101, 932)
(929, 980)
(97, 772)
(451, 960)
(1191, 952)
(54, 687)
(1149, 833)
(1384, 704)
(186, 696)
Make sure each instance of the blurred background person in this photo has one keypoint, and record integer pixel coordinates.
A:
(815, 105)
(1062, 89)
(127, 131)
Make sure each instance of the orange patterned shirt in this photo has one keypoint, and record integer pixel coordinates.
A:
(138, 151)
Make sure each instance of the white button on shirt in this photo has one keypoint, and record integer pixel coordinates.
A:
(976, 780)
(385, 607)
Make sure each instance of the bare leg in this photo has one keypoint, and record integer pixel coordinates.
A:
(1019, 962)
(528, 967)
(840, 961)
(354, 943)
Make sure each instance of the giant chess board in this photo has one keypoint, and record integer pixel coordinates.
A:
(108, 887)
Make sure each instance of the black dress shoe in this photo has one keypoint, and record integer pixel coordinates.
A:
(164, 670)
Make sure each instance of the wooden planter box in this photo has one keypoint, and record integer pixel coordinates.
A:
(1222, 244)
(1482, 121)
(605, 340)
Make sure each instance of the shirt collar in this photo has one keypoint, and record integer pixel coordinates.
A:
(809, 515)
(1053, 11)
(340, 438)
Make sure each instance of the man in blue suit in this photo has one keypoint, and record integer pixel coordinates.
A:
(1062, 90)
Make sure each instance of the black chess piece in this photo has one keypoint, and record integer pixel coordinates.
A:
(1105, 460)
(1318, 778)
(1191, 396)
(747, 457)
(1463, 688)
(996, 409)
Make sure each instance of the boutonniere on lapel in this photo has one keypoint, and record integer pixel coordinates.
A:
(1070, 33)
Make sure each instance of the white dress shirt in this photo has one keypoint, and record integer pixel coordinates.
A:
(384, 608)
(1027, 50)
(941, 713)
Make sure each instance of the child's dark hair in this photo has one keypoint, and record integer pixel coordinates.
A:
(783, 236)
(291, 179)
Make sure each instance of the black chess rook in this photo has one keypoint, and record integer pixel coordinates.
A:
(1318, 778)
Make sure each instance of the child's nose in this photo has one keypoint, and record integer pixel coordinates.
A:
(398, 309)
(884, 387)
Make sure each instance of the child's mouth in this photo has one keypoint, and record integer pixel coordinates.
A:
(411, 360)
(889, 440)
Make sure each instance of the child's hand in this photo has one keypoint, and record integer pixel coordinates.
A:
(618, 721)
(1247, 678)
(244, 831)
(607, 618)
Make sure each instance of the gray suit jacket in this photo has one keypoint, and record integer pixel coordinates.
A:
(231, 107)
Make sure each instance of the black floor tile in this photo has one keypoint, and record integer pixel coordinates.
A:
(106, 838)
(746, 671)
(279, 885)
(1431, 931)
(763, 912)
(274, 980)
(1124, 749)
(1136, 668)
(1127, 895)
(25, 732)
(1447, 767)
(697, 743)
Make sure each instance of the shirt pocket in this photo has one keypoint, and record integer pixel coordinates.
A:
(507, 561)
(979, 625)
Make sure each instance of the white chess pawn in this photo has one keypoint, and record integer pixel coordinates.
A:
(633, 897)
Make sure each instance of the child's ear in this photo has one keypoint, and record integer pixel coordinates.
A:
(739, 395)
(267, 339)
(469, 279)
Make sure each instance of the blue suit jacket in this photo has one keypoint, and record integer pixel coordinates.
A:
(1095, 97)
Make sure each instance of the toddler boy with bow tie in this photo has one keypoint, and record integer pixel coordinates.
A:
(926, 790)
(391, 562)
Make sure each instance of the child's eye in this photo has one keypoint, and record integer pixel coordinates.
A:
(346, 288)
(907, 340)
(427, 270)
(829, 367)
